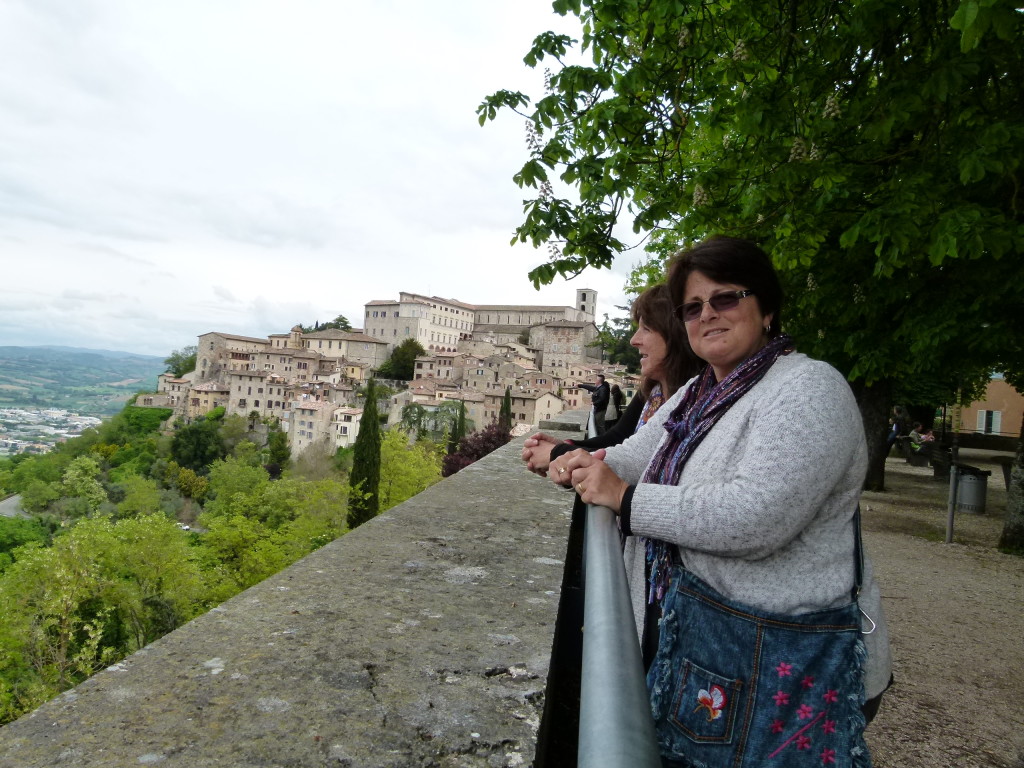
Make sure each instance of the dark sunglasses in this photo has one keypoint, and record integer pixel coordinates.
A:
(720, 302)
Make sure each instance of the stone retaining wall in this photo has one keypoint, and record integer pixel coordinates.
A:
(422, 638)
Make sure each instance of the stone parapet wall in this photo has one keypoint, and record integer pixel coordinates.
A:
(422, 638)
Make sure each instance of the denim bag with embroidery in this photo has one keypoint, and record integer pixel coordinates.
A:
(745, 688)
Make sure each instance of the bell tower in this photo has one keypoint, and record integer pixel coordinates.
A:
(586, 302)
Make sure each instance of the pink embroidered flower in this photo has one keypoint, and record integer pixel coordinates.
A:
(803, 742)
(781, 698)
(807, 682)
(831, 697)
(784, 669)
(828, 756)
(806, 711)
(778, 727)
(829, 726)
(712, 700)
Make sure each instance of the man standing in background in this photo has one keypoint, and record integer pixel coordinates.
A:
(600, 393)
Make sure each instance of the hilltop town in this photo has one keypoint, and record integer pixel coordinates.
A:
(309, 381)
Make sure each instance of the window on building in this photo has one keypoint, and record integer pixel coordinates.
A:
(990, 422)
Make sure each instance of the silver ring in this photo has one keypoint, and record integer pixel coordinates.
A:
(561, 470)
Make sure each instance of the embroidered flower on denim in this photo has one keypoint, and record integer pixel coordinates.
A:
(807, 682)
(829, 726)
(803, 742)
(828, 756)
(781, 698)
(712, 700)
(777, 726)
(831, 696)
(784, 669)
(805, 711)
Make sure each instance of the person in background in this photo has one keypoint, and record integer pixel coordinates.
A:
(753, 521)
(916, 438)
(666, 363)
(614, 412)
(897, 426)
(600, 394)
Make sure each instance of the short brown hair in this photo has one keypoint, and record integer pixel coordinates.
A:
(655, 306)
(731, 260)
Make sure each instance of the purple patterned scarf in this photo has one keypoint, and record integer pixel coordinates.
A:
(700, 408)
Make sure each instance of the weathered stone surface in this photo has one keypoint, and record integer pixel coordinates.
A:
(420, 639)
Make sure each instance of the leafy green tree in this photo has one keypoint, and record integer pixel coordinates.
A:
(101, 591)
(197, 445)
(181, 361)
(38, 495)
(16, 532)
(415, 420)
(231, 479)
(80, 481)
(234, 430)
(613, 337)
(364, 500)
(278, 451)
(873, 148)
(402, 363)
(339, 323)
(406, 469)
(505, 413)
(141, 497)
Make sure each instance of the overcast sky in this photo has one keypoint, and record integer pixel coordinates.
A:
(174, 167)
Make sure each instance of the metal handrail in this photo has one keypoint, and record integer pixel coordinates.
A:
(616, 727)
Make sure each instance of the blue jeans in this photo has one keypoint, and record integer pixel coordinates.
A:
(740, 687)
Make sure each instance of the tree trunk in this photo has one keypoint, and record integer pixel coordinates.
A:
(1012, 539)
(875, 402)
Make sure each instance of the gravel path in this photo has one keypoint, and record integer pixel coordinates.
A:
(956, 618)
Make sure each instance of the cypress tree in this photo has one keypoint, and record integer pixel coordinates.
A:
(505, 414)
(365, 478)
(459, 430)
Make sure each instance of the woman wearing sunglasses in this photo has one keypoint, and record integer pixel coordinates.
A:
(666, 363)
(759, 616)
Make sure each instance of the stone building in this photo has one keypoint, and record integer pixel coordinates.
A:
(564, 345)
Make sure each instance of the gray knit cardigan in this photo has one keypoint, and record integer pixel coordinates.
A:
(764, 508)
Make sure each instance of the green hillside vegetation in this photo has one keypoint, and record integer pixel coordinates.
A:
(138, 526)
(91, 383)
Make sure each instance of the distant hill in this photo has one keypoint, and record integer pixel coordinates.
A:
(92, 382)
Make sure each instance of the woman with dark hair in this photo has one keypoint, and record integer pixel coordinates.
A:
(746, 487)
(665, 364)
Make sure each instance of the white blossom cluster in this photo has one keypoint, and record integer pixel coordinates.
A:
(812, 284)
(700, 197)
(858, 294)
(684, 37)
(739, 51)
(532, 137)
(831, 109)
(815, 153)
(798, 151)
